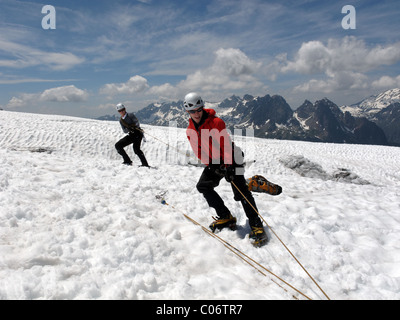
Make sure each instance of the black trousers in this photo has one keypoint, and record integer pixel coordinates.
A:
(206, 185)
(136, 140)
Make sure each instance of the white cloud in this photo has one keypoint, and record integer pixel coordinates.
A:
(21, 101)
(58, 61)
(163, 90)
(231, 71)
(134, 85)
(339, 81)
(312, 57)
(17, 80)
(22, 56)
(234, 62)
(59, 94)
(348, 54)
(339, 64)
(386, 82)
(64, 94)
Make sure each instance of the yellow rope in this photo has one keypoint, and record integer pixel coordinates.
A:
(241, 254)
(290, 252)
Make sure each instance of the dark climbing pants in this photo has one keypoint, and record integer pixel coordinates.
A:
(209, 180)
(136, 140)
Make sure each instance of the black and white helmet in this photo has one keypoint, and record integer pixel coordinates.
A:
(193, 101)
(120, 107)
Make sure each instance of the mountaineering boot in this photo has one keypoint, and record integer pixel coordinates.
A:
(220, 223)
(142, 158)
(258, 236)
(261, 184)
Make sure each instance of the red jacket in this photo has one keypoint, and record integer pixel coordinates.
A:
(211, 142)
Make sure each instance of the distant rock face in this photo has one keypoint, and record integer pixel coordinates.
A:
(109, 118)
(324, 121)
(389, 120)
(382, 109)
(375, 120)
(161, 114)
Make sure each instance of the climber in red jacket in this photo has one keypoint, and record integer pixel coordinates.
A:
(212, 144)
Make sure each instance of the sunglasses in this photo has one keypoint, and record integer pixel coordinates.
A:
(195, 111)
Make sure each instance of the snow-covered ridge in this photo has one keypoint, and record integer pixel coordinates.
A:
(381, 100)
(373, 104)
(76, 224)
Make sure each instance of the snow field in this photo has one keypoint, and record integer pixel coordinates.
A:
(76, 224)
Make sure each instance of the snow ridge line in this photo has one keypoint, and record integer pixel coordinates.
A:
(237, 252)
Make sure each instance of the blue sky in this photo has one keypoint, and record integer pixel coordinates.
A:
(139, 52)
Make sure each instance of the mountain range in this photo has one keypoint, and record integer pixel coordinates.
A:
(374, 120)
(382, 109)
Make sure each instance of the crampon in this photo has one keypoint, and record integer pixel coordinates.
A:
(219, 223)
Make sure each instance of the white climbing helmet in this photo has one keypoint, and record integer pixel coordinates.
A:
(193, 101)
(120, 107)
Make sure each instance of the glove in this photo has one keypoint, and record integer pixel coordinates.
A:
(133, 128)
(226, 171)
(229, 173)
